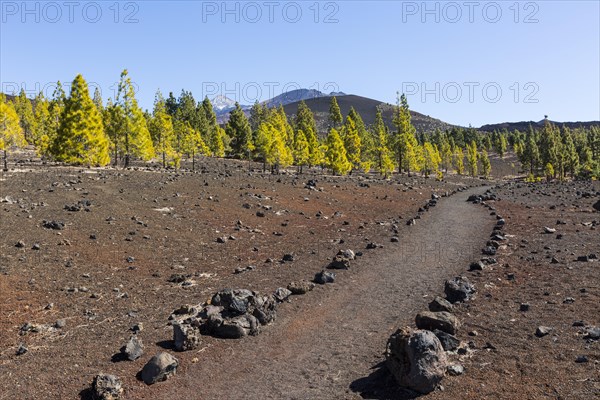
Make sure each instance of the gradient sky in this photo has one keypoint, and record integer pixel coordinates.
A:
(463, 62)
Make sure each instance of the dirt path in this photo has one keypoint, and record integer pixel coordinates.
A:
(328, 344)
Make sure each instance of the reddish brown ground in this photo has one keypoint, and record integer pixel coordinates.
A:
(327, 344)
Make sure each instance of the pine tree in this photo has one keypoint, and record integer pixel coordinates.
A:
(161, 129)
(458, 157)
(405, 143)
(549, 144)
(472, 157)
(531, 153)
(486, 166)
(113, 118)
(238, 129)
(171, 105)
(192, 143)
(136, 137)
(352, 142)
(43, 124)
(366, 139)
(24, 110)
(271, 141)
(301, 150)
(569, 152)
(381, 153)
(335, 155)
(549, 171)
(81, 138)
(305, 122)
(11, 132)
(335, 114)
(431, 159)
(98, 100)
(215, 134)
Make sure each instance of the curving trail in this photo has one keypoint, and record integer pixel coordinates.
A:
(327, 344)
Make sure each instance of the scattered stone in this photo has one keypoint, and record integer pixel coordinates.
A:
(324, 277)
(186, 337)
(349, 254)
(581, 359)
(554, 260)
(301, 287)
(36, 246)
(61, 323)
(55, 225)
(372, 245)
(489, 251)
(340, 262)
(22, 349)
(106, 387)
(455, 370)
(20, 244)
(549, 230)
(583, 259)
(524, 307)
(134, 348)
(476, 266)
(232, 327)
(441, 320)
(458, 289)
(449, 342)
(282, 294)
(416, 359)
(411, 222)
(395, 239)
(289, 257)
(592, 332)
(221, 240)
(440, 304)
(568, 300)
(597, 206)
(160, 368)
(542, 331)
(177, 278)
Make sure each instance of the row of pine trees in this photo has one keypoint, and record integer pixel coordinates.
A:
(83, 130)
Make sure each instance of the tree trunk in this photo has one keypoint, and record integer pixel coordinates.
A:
(193, 161)
(126, 150)
(5, 161)
(164, 159)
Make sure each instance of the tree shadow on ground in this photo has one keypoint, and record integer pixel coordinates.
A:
(380, 385)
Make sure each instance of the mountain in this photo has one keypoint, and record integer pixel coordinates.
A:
(523, 126)
(222, 104)
(297, 95)
(366, 108)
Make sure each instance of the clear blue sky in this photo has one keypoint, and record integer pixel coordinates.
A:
(451, 58)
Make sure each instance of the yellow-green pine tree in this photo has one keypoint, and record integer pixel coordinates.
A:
(352, 142)
(301, 150)
(161, 129)
(81, 138)
(335, 155)
(472, 158)
(135, 135)
(486, 166)
(11, 132)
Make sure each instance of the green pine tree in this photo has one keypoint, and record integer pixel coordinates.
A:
(161, 129)
(24, 110)
(335, 114)
(239, 131)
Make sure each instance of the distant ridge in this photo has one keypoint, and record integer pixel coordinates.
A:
(523, 126)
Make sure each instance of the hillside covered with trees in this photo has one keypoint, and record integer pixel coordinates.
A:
(82, 129)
